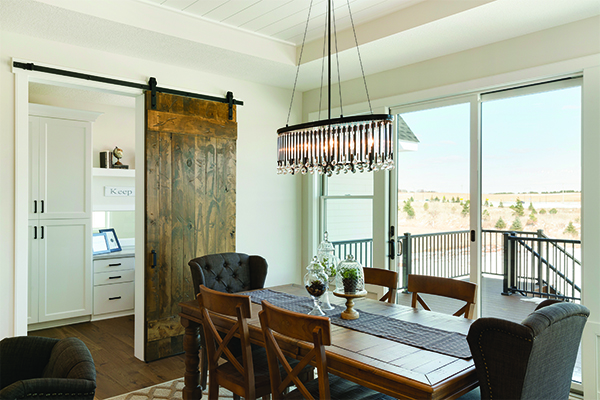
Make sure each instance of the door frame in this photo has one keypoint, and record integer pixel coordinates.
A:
(21, 268)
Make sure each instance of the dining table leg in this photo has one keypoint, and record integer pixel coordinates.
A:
(191, 345)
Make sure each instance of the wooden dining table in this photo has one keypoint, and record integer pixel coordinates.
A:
(396, 369)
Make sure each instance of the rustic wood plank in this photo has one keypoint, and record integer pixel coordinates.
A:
(200, 188)
(151, 223)
(190, 125)
(165, 226)
(188, 216)
(178, 221)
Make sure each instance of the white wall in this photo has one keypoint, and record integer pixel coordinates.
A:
(267, 219)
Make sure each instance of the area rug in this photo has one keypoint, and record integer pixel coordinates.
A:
(167, 390)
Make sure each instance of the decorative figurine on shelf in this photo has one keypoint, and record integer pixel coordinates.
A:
(327, 258)
(118, 154)
(316, 283)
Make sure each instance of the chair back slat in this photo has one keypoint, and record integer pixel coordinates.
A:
(446, 287)
(277, 322)
(385, 278)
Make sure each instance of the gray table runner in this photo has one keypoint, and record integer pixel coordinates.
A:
(444, 342)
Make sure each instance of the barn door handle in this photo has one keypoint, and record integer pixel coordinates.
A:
(153, 258)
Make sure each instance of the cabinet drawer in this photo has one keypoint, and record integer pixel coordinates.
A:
(111, 298)
(114, 264)
(108, 278)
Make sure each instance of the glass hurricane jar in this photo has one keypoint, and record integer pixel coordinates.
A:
(350, 278)
(316, 283)
(327, 258)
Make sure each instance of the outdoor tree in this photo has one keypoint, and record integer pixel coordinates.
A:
(487, 203)
(485, 215)
(516, 225)
(500, 224)
(553, 211)
(542, 211)
(465, 209)
(518, 208)
(570, 230)
(501, 205)
(408, 209)
(532, 217)
(444, 199)
(531, 208)
(426, 206)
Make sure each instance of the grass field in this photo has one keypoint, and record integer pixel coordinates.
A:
(439, 216)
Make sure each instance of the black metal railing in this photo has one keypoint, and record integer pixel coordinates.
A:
(361, 249)
(541, 266)
(529, 262)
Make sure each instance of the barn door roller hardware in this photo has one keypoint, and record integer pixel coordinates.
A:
(150, 86)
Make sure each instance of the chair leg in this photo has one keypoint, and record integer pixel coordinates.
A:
(213, 390)
(236, 397)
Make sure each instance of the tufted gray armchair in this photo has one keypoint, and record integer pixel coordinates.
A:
(530, 360)
(37, 367)
(228, 272)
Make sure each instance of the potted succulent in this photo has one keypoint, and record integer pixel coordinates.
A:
(349, 279)
(350, 276)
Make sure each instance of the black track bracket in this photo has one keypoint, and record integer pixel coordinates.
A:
(152, 84)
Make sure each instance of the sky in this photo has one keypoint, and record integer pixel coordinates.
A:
(529, 143)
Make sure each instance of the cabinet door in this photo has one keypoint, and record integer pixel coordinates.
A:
(34, 240)
(34, 167)
(65, 279)
(65, 169)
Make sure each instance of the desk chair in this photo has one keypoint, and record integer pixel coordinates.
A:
(315, 330)
(227, 273)
(385, 278)
(446, 287)
(246, 375)
(530, 360)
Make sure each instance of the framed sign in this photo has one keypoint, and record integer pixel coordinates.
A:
(111, 237)
(100, 243)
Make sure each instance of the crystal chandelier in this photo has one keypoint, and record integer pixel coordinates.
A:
(344, 144)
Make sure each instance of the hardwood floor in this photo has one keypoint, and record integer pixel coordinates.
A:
(111, 343)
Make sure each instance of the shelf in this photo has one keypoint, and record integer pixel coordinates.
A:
(114, 172)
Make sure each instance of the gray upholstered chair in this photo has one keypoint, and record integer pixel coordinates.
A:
(530, 360)
(228, 273)
(37, 367)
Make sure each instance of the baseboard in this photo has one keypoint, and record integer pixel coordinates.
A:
(59, 322)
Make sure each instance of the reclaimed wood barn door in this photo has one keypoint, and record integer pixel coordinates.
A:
(190, 206)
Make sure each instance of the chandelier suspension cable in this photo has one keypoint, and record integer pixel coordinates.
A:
(337, 59)
(359, 58)
(322, 68)
(299, 62)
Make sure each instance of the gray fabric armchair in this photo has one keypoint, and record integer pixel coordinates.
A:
(37, 367)
(530, 360)
(228, 272)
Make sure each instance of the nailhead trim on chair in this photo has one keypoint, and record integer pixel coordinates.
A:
(59, 394)
(487, 373)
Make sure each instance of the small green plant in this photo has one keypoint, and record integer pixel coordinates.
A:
(500, 224)
(516, 225)
(570, 230)
(542, 211)
(532, 217)
(518, 209)
(485, 215)
(553, 211)
(426, 206)
(531, 208)
(487, 203)
(465, 209)
(408, 209)
(501, 205)
(349, 273)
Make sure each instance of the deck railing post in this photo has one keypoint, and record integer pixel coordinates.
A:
(406, 258)
(508, 264)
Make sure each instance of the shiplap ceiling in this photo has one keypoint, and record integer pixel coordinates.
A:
(285, 19)
(258, 40)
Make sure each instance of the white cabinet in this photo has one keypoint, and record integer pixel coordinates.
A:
(113, 285)
(60, 280)
(60, 177)
(60, 212)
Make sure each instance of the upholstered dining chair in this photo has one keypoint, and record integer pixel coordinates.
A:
(245, 375)
(445, 287)
(385, 278)
(530, 360)
(227, 273)
(34, 367)
(278, 322)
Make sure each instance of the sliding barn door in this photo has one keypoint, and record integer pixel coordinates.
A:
(190, 206)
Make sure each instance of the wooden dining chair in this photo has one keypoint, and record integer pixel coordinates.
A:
(385, 278)
(315, 330)
(445, 287)
(245, 376)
